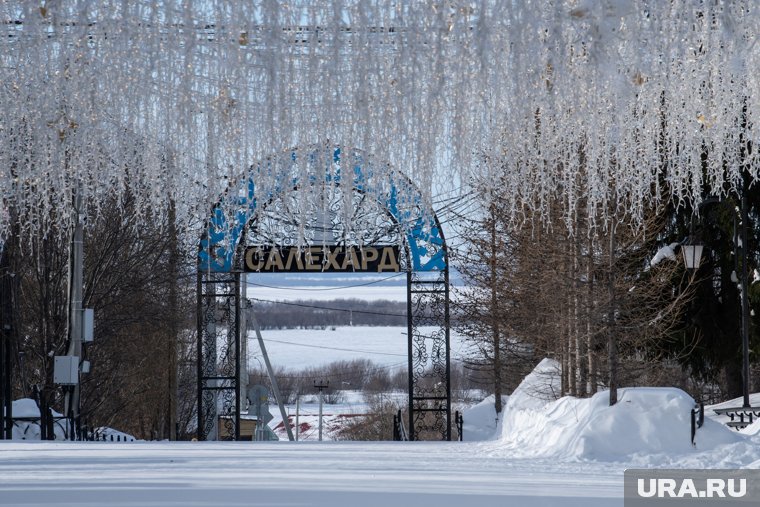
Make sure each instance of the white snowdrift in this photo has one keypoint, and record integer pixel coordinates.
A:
(26, 424)
(645, 421)
(541, 386)
(752, 429)
(26, 408)
(480, 422)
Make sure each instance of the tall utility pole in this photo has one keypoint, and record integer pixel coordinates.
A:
(745, 301)
(298, 410)
(495, 330)
(612, 343)
(321, 386)
(174, 327)
(75, 307)
(272, 378)
(6, 333)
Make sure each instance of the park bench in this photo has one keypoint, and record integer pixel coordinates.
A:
(740, 417)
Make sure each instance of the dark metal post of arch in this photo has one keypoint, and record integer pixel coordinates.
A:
(218, 360)
(428, 333)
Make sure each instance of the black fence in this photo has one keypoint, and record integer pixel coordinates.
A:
(399, 431)
(697, 419)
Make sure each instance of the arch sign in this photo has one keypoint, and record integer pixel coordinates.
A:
(325, 259)
(326, 209)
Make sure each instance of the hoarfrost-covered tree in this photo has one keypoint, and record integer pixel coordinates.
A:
(90, 85)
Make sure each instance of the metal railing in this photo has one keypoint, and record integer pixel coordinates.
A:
(697, 419)
(47, 426)
(399, 431)
(740, 417)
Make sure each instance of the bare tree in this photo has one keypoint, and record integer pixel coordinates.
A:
(133, 282)
(588, 299)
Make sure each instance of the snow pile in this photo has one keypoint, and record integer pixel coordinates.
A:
(644, 422)
(26, 415)
(541, 386)
(479, 422)
(26, 424)
(752, 429)
(25, 407)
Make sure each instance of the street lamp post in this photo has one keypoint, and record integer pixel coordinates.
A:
(6, 350)
(692, 254)
(745, 301)
(321, 386)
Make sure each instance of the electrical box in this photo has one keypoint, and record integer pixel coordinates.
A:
(66, 370)
(88, 325)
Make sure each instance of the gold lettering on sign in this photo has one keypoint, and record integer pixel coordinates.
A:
(388, 261)
(274, 259)
(313, 259)
(331, 258)
(326, 258)
(294, 254)
(370, 255)
(249, 259)
(350, 259)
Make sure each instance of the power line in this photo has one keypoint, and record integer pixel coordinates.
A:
(396, 275)
(303, 305)
(324, 347)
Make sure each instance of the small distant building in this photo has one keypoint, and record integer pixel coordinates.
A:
(248, 424)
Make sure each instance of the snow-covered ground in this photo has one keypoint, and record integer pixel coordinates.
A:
(648, 427)
(194, 474)
(545, 452)
(295, 349)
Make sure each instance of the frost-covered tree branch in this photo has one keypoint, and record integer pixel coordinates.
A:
(176, 100)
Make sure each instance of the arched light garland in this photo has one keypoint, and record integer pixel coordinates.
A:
(173, 100)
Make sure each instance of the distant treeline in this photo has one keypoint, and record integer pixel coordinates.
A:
(312, 314)
(359, 375)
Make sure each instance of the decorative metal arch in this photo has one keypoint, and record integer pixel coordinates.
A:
(425, 263)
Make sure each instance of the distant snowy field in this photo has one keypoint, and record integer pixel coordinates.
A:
(327, 292)
(325, 286)
(334, 415)
(299, 348)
